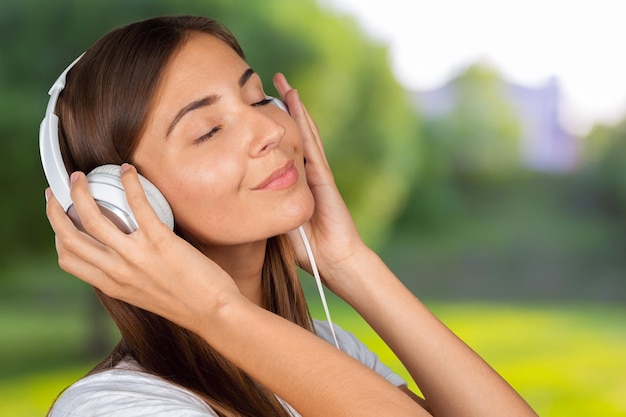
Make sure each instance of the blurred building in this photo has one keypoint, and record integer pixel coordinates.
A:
(545, 145)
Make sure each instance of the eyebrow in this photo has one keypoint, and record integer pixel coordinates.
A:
(246, 76)
(205, 101)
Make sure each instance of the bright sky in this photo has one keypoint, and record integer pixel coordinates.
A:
(581, 42)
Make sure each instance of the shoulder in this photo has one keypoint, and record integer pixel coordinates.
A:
(124, 392)
(351, 345)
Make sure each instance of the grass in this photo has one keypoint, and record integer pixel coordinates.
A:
(547, 285)
(32, 394)
(566, 360)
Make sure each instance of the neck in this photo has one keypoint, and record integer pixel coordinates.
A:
(244, 263)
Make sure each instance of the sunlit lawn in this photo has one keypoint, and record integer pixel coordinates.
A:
(566, 360)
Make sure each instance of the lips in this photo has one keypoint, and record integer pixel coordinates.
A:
(283, 177)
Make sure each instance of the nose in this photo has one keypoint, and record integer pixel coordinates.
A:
(267, 132)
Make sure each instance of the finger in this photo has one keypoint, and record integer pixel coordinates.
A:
(55, 213)
(286, 94)
(317, 167)
(313, 151)
(302, 116)
(93, 221)
(62, 225)
(282, 85)
(316, 137)
(72, 244)
(82, 269)
(314, 130)
(147, 218)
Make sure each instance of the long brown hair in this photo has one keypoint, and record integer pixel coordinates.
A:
(102, 113)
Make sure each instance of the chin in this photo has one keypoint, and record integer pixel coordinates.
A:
(298, 213)
(288, 216)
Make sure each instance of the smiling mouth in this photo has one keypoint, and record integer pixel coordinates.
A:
(283, 177)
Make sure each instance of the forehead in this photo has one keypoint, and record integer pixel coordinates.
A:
(203, 66)
(202, 59)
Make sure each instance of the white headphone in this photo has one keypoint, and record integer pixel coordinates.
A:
(105, 183)
(106, 187)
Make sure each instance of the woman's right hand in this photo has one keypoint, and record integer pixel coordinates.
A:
(154, 269)
(151, 268)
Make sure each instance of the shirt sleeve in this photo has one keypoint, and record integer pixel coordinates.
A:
(126, 393)
(358, 350)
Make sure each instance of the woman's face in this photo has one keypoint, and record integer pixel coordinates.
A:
(229, 163)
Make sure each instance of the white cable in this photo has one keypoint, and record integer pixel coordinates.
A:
(318, 280)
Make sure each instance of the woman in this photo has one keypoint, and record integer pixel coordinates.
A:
(212, 317)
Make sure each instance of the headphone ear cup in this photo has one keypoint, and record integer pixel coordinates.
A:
(106, 187)
(278, 103)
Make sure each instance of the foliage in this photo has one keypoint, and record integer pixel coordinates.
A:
(366, 120)
(479, 137)
(471, 143)
(601, 182)
(530, 240)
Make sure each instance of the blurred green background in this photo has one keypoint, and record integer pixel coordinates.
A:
(526, 265)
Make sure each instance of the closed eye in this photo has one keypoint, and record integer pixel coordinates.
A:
(216, 129)
(263, 102)
(208, 135)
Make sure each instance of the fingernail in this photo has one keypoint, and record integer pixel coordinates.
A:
(48, 194)
(74, 177)
(125, 167)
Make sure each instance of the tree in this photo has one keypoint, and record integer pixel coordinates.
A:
(601, 181)
(471, 141)
(369, 127)
(480, 135)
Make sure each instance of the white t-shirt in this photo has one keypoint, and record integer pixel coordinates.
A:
(127, 391)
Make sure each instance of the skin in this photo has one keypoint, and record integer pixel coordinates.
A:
(212, 185)
(216, 201)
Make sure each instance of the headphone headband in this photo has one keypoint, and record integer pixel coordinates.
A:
(104, 181)
(49, 147)
(106, 186)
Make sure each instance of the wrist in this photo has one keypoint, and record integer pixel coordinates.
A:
(348, 277)
(218, 313)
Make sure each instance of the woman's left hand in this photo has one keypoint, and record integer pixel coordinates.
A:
(331, 230)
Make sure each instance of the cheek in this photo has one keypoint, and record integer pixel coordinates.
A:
(201, 201)
(223, 218)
